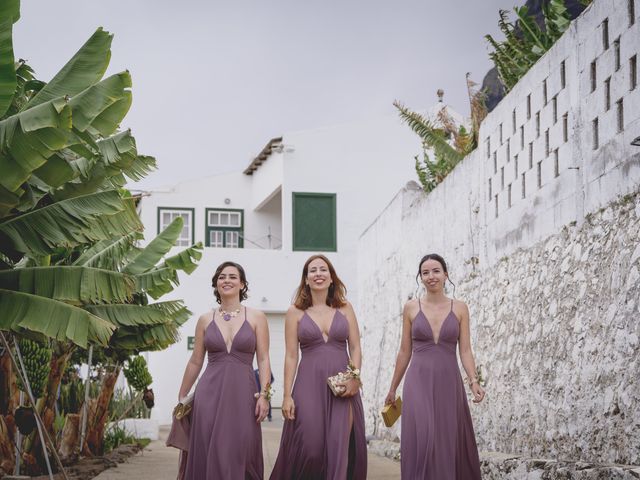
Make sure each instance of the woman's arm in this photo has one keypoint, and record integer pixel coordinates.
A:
(355, 350)
(194, 365)
(264, 365)
(404, 355)
(290, 360)
(466, 354)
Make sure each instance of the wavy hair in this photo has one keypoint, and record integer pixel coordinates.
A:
(243, 278)
(337, 296)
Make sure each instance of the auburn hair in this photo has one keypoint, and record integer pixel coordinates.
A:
(337, 296)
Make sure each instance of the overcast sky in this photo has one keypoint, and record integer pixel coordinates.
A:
(213, 81)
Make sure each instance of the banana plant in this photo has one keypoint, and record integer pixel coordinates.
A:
(525, 41)
(70, 268)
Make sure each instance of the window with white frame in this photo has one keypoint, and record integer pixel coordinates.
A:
(224, 228)
(166, 215)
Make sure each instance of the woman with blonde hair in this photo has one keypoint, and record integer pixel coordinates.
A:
(323, 435)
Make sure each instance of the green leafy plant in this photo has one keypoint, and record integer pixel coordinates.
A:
(36, 358)
(137, 373)
(447, 142)
(525, 41)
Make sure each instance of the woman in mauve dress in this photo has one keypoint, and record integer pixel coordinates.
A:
(323, 436)
(225, 441)
(436, 438)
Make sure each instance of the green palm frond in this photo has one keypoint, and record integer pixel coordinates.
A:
(29, 138)
(84, 69)
(140, 167)
(149, 256)
(71, 284)
(132, 315)
(109, 254)
(10, 10)
(184, 260)
(8, 81)
(72, 222)
(150, 338)
(430, 135)
(52, 318)
(157, 282)
(94, 106)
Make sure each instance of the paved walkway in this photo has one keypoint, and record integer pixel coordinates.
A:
(160, 462)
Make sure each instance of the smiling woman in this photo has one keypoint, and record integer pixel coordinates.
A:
(437, 434)
(225, 439)
(323, 435)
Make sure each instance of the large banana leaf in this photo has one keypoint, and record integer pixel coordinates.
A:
(109, 254)
(141, 166)
(29, 138)
(184, 260)
(91, 103)
(72, 222)
(147, 338)
(71, 284)
(52, 318)
(8, 81)
(10, 10)
(156, 249)
(84, 69)
(56, 171)
(132, 315)
(8, 200)
(157, 282)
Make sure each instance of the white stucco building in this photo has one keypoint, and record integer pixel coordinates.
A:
(306, 192)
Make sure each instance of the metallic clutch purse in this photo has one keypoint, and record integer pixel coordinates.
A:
(335, 380)
(183, 408)
(390, 413)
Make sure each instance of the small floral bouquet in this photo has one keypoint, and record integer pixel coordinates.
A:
(336, 382)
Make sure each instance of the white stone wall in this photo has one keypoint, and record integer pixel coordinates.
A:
(551, 277)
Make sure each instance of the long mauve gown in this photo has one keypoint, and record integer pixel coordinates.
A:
(318, 444)
(437, 439)
(226, 441)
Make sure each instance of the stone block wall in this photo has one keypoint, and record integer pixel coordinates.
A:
(551, 274)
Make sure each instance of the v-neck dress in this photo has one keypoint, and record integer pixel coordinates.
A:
(437, 439)
(225, 440)
(318, 444)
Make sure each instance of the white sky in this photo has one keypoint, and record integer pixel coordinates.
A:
(214, 81)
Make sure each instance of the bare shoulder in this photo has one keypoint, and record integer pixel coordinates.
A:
(460, 309)
(411, 307)
(256, 317)
(347, 309)
(204, 319)
(294, 313)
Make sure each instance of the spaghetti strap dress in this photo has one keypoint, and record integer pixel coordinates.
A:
(437, 439)
(225, 440)
(318, 444)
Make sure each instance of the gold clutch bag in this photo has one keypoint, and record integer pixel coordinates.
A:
(335, 381)
(183, 408)
(390, 413)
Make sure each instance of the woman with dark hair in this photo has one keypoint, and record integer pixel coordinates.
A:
(437, 439)
(323, 436)
(226, 438)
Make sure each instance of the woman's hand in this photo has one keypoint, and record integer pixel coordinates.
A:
(352, 387)
(288, 408)
(478, 392)
(262, 408)
(391, 398)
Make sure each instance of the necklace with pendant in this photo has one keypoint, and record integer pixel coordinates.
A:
(226, 316)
